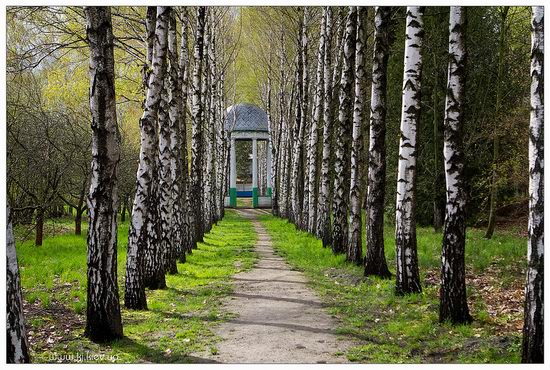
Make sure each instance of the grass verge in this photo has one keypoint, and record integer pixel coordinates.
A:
(179, 319)
(392, 329)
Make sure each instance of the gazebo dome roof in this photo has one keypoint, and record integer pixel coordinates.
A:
(246, 117)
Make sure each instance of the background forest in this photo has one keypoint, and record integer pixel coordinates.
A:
(457, 167)
(48, 102)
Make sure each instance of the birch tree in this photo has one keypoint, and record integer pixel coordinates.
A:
(303, 199)
(144, 263)
(16, 340)
(297, 184)
(188, 217)
(323, 218)
(407, 275)
(340, 205)
(175, 107)
(355, 241)
(153, 272)
(533, 328)
(314, 130)
(453, 303)
(195, 194)
(103, 320)
(165, 185)
(375, 259)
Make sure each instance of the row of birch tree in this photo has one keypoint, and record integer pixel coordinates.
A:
(318, 149)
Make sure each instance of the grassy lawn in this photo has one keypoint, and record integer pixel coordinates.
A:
(179, 318)
(391, 329)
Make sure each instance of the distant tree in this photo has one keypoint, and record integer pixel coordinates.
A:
(407, 275)
(533, 328)
(343, 128)
(77, 143)
(497, 131)
(375, 259)
(36, 161)
(453, 304)
(16, 339)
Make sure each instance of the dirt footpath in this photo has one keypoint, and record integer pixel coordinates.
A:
(279, 319)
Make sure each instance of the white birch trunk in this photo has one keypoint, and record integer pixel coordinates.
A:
(355, 241)
(314, 130)
(453, 303)
(296, 189)
(103, 319)
(188, 217)
(175, 106)
(16, 340)
(375, 259)
(533, 329)
(196, 191)
(407, 276)
(144, 229)
(343, 143)
(323, 219)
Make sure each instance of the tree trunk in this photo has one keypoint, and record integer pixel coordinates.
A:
(103, 319)
(175, 107)
(452, 294)
(39, 236)
(303, 199)
(315, 123)
(533, 328)
(78, 222)
(496, 129)
(16, 340)
(296, 190)
(143, 264)
(168, 123)
(407, 275)
(437, 206)
(355, 241)
(209, 134)
(343, 146)
(124, 207)
(323, 230)
(375, 259)
(154, 272)
(279, 193)
(187, 218)
(196, 191)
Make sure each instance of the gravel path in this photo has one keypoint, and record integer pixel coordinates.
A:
(279, 319)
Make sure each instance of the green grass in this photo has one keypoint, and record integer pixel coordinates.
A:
(244, 202)
(392, 329)
(179, 319)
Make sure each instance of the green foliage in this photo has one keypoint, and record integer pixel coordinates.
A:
(179, 318)
(393, 329)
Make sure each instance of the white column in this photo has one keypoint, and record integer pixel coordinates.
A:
(268, 165)
(233, 166)
(254, 163)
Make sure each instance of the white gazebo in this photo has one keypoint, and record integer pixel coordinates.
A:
(248, 122)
